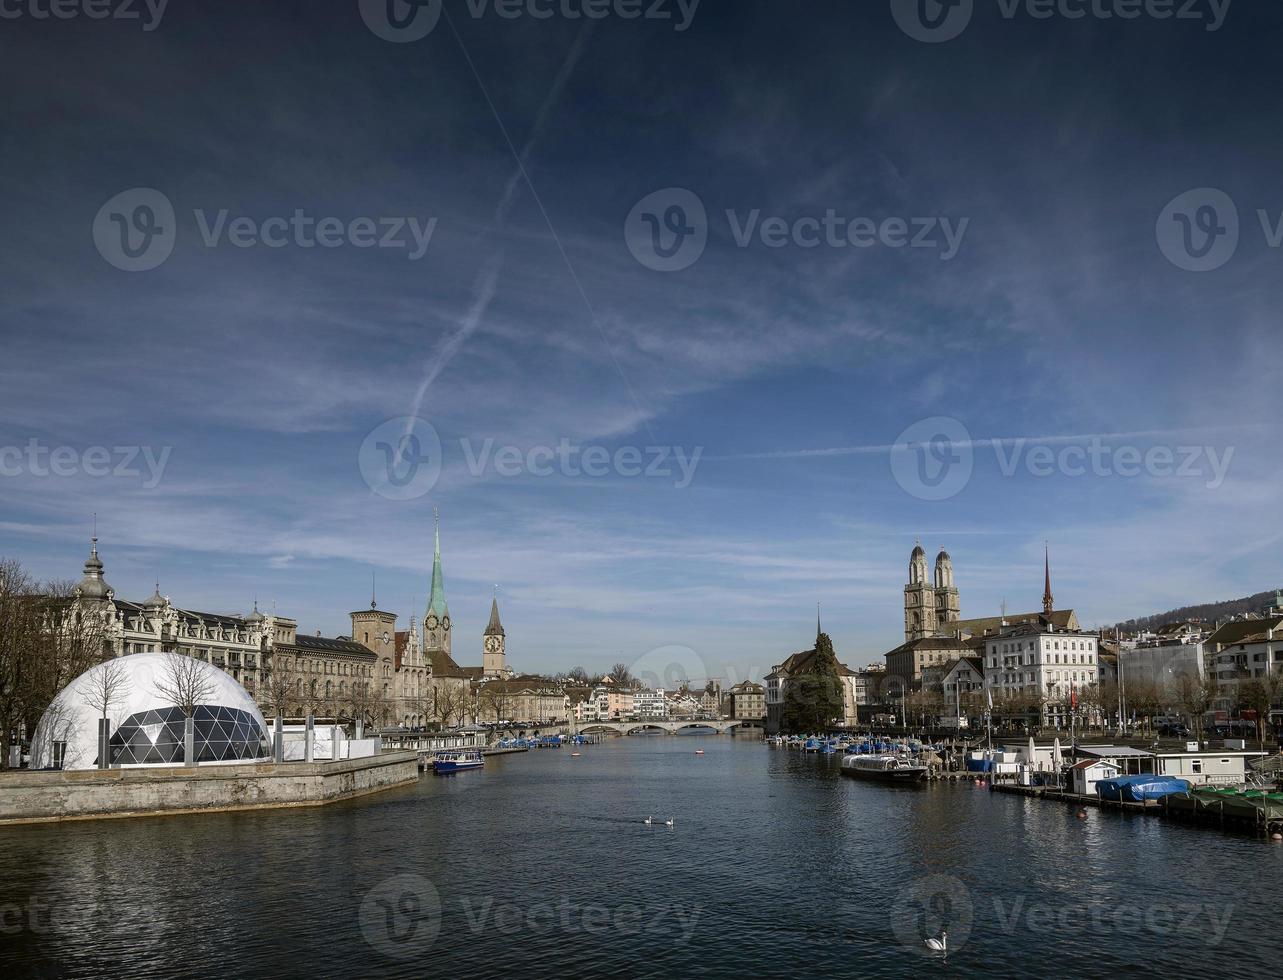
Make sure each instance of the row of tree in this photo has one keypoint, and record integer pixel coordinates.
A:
(1100, 704)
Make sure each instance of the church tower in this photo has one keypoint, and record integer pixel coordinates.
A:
(375, 629)
(1048, 601)
(948, 605)
(493, 656)
(919, 598)
(436, 624)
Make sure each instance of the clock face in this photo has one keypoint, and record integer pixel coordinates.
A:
(492, 643)
(432, 621)
(385, 636)
(445, 621)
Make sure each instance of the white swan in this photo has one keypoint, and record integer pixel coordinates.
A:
(940, 945)
(648, 820)
(668, 822)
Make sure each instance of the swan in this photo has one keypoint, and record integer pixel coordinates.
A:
(648, 820)
(940, 945)
(668, 822)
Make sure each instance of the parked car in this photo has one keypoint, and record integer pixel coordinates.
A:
(1174, 731)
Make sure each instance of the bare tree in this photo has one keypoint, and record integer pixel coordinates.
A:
(184, 682)
(577, 675)
(1195, 695)
(47, 639)
(279, 684)
(622, 676)
(362, 702)
(106, 685)
(18, 626)
(449, 703)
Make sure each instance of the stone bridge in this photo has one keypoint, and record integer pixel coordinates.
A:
(668, 727)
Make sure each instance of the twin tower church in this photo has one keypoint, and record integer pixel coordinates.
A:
(932, 607)
(930, 604)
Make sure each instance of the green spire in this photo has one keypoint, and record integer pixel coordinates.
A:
(436, 604)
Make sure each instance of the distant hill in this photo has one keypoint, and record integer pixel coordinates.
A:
(1209, 611)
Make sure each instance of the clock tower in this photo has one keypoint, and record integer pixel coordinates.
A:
(376, 629)
(493, 655)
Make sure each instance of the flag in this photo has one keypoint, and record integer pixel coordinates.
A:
(1073, 697)
(989, 695)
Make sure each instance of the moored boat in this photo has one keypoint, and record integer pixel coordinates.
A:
(885, 768)
(457, 760)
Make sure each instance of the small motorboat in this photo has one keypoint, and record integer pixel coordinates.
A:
(699, 751)
(457, 760)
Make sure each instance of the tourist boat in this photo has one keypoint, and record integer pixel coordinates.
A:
(887, 768)
(457, 760)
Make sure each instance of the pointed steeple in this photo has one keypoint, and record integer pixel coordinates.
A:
(817, 623)
(494, 627)
(436, 603)
(1047, 603)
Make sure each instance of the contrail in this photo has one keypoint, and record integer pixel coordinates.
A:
(487, 281)
(875, 450)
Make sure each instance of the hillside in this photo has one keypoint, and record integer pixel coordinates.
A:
(1209, 611)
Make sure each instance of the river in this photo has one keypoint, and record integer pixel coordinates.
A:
(542, 866)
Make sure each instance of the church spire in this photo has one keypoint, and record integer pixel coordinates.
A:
(494, 627)
(1047, 603)
(436, 603)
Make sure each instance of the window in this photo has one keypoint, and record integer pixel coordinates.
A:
(1196, 765)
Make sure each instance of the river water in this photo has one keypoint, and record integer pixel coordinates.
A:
(542, 866)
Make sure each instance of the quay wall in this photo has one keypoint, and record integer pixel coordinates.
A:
(35, 797)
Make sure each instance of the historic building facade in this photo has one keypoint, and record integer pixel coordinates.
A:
(388, 677)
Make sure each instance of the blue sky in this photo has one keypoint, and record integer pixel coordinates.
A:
(529, 320)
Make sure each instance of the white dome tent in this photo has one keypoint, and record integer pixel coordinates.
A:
(147, 727)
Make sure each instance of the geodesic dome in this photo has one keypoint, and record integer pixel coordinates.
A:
(147, 729)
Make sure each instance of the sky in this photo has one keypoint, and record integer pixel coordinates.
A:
(683, 322)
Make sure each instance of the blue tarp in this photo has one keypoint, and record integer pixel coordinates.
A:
(1134, 789)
